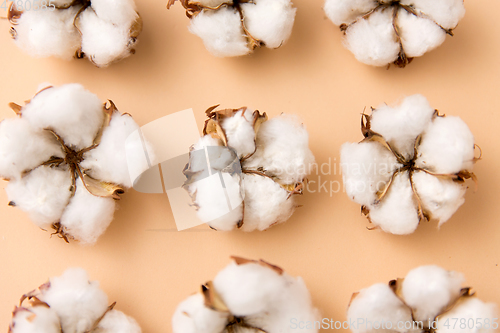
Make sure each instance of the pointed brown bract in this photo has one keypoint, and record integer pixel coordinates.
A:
(14, 14)
(212, 298)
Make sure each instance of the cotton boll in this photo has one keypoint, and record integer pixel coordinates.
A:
(270, 21)
(266, 203)
(221, 32)
(428, 290)
(87, 216)
(117, 322)
(283, 149)
(38, 319)
(72, 112)
(240, 133)
(78, 302)
(401, 125)
(248, 289)
(440, 197)
(119, 12)
(378, 303)
(346, 11)
(108, 162)
(418, 35)
(447, 146)
(366, 169)
(471, 309)
(397, 212)
(23, 148)
(373, 40)
(446, 13)
(43, 194)
(102, 41)
(192, 316)
(44, 33)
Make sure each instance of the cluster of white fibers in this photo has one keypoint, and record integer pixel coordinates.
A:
(102, 30)
(423, 300)
(62, 134)
(412, 164)
(261, 162)
(251, 296)
(234, 29)
(381, 32)
(70, 303)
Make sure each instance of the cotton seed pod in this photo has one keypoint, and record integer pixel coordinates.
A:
(261, 163)
(425, 301)
(234, 28)
(247, 296)
(69, 303)
(411, 165)
(64, 157)
(100, 30)
(381, 32)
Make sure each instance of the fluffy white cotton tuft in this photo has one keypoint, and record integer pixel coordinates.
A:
(446, 13)
(270, 21)
(221, 32)
(23, 148)
(366, 169)
(35, 320)
(78, 302)
(447, 146)
(397, 212)
(378, 303)
(43, 33)
(87, 216)
(117, 322)
(43, 194)
(346, 11)
(469, 310)
(72, 112)
(119, 12)
(428, 290)
(240, 133)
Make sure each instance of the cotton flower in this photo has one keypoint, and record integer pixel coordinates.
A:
(248, 295)
(69, 303)
(64, 157)
(234, 28)
(412, 165)
(381, 32)
(101, 30)
(429, 299)
(260, 163)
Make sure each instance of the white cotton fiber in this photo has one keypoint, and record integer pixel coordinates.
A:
(400, 125)
(217, 157)
(43, 33)
(447, 146)
(72, 112)
(43, 194)
(428, 290)
(366, 169)
(266, 203)
(119, 12)
(378, 303)
(38, 319)
(117, 322)
(397, 212)
(471, 310)
(77, 301)
(440, 197)
(87, 216)
(213, 3)
(108, 161)
(23, 147)
(240, 133)
(270, 21)
(221, 32)
(346, 11)
(283, 149)
(192, 316)
(446, 13)
(418, 35)
(373, 40)
(102, 41)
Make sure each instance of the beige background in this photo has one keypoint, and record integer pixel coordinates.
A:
(149, 271)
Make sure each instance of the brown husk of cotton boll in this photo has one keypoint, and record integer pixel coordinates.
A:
(408, 165)
(193, 8)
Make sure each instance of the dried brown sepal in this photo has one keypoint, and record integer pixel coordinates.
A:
(396, 286)
(258, 120)
(13, 14)
(136, 28)
(480, 153)
(353, 296)
(102, 189)
(212, 298)
(16, 108)
(108, 109)
(243, 261)
(12, 204)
